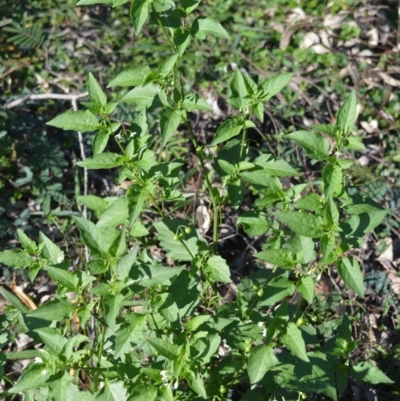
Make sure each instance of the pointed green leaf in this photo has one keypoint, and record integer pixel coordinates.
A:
(100, 141)
(95, 203)
(182, 40)
(366, 372)
(239, 97)
(29, 245)
(196, 383)
(50, 250)
(139, 13)
(82, 121)
(277, 257)
(227, 130)
(253, 223)
(13, 300)
(169, 123)
(236, 190)
(303, 223)
(350, 272)
(33, 376)
(64, 278)
(15, 258)
(102, 161)
(165, 348)
(218, 270)
(195, 102)
(309, 202)
(332, 177)
(272, 86)
(113, 391)
(293, 340)
(134, 324)
(261, 360)
(347, 114)
(132, 77)
(144, 97)
(167, 65)
(206, 26)
(56, 309)
(96, 94)
(117, 213)
(277, 168)
(306, 288)
(316, 146)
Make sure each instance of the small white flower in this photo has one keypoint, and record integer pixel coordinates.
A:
(132, 134)
(60, 259)
(44, 371)
(260, 324)
(338, 154)
(264, 332)
(38, 360)
(176, 385)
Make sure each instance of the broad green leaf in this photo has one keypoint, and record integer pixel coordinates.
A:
(239, 93)
(196, 383)
(332, 177)
(272, 86)
(144, 97)
(139, 230)
(226, 167)
(182, 39)
(125, 264)
(194, 323)
(263, 179)
(309, 202)
(165, 348)
(13, 300)
(366, 372)
(100, 141)
(15, 258)
(102, 161)
(303, 247)
(328, 129)
(277, 257)
(144, 392)
(65, 278)
(277, 289)
(95, 203)
(113, 391)
(195, 102)
(227, 130)
(169, 123)
(33, 376)
(293, 340)
(261, 360)
(139, 13)
(96, 94)
(206, 26)
(331, 212)
(56, 309)
(134, 324)
(207, 348)
(58, 385)
(218, 270)
(132, 77)
(306, 288)
(29, 245)
(167, 65)
(303, 223)
(117, 213)
(316, 146)
(277, 168)
(347, 114)
(189, 5)
(253, 223)
(236, 190)
(50, 250)
(176, 250)
(112, 3)
(354, 142)
(351, 274)
(52, 338)
(82, 121)
(112, 308)
(156, 275)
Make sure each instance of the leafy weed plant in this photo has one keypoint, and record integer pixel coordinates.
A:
(130, 326)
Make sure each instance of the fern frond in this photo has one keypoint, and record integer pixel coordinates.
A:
(25, 38)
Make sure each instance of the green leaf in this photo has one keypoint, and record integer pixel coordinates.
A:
(328, 129)
(112, 391)
(277, 289)
(332, 177)
(303, 223)
(261, 360)
(125, 264)
(113, 3)
(195, 102)
(196, 383)
(134, 324)
(236, 190)
(277, 168)
(309, 202)
(144, 392)
(189, 5)
(306, 288)
(50, 250)
(253, 223)
(316, 146)
(58, 385)
(95, 203)
(15, 258)
(117, 213)
(226, 167)
(167, 65)
(65, 278)
(293, 340)
(26, 242)
(139, 13)
(274, 85)
(354, 142)
(102, 161)
(33, 376)
(218, 270)
(132, 77)
(366, 372)
(52, 338)
(156, 275)
(165, 348)
(347, 114)
(169, 123)
(100, 141)
(96, 94)
(194, 323)
(227, 130)
(182, 40)
(278, 257)
(56, 309)
(13, 300)
(144, 97)
(82, 121)
(351, 274)
(206, 26)
(239, 96)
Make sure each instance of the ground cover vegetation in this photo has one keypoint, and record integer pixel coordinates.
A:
(212, 219)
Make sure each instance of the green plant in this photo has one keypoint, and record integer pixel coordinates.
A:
(141, 329)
